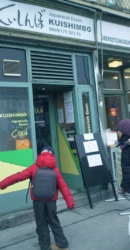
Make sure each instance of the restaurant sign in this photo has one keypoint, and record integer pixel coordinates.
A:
(32, 18)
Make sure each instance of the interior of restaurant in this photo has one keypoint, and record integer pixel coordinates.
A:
(115, 87)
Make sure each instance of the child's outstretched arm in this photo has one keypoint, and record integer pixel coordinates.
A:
(64, 189)
(21, 176)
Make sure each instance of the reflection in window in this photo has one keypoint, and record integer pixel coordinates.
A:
(113, 111)
(111, 80)
(14, 119)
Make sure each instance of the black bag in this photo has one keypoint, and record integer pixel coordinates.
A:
(44, 184)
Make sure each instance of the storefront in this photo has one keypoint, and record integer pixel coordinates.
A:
(115, 67)
(47, 95)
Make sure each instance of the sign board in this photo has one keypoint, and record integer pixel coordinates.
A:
(93, 162)
(32, 18)
(114, 34)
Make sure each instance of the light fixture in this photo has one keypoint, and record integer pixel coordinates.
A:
(127, 77)
(115, 64)
(43, 89)
(115, 77)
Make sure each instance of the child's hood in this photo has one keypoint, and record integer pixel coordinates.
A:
(46, 159)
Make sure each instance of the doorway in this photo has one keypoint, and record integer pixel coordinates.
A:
(42, 122)
(47, 111)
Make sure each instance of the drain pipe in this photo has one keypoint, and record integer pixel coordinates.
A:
(97, 74)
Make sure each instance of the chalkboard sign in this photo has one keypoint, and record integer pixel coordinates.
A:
(93, 162)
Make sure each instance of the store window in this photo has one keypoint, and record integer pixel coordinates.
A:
(113, 105)
(14, 119)
(128, 101)
(127, 78)
(82, 66)
(112, 80)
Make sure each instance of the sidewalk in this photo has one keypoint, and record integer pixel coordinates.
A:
(99, 229)
(27, 215)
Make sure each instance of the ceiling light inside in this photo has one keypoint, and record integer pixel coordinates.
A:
(127, 77)
(115, 64)
(115, 77)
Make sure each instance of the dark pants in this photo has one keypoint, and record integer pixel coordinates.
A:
(45, 216)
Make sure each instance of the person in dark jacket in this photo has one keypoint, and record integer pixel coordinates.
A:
(45, 211)
(123, 131)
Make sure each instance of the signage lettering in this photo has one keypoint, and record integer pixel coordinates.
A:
(85, 99)
(111, 35)
(13, 115)
(27, 17)
(37, 20)
(39, 110)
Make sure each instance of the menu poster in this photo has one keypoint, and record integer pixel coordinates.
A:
(90, 146)
(88, 137)
(69, 108)
(94, 160)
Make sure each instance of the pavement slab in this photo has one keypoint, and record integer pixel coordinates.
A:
(101, 228)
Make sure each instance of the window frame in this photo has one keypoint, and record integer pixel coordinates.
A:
(120, 81)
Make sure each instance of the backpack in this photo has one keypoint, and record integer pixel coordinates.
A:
(44, 184)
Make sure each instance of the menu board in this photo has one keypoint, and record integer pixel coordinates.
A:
(93, 162)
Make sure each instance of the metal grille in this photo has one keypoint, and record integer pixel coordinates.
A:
(51, 66)
(11, 67)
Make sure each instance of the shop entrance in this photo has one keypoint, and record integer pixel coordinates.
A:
(49, 113)
(58, 119)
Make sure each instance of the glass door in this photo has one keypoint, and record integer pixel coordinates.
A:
(113, 110)
(42, 123)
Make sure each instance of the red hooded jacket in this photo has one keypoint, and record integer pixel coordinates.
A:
(45, 159)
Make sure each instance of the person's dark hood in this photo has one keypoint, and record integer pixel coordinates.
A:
(125, 139)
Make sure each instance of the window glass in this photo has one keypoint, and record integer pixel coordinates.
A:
(113, 111)
(82, 66)
(127, 78)
(15, 131)
(42, 123)
(111, 80)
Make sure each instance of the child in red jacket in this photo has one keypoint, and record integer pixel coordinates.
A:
(45, 211)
